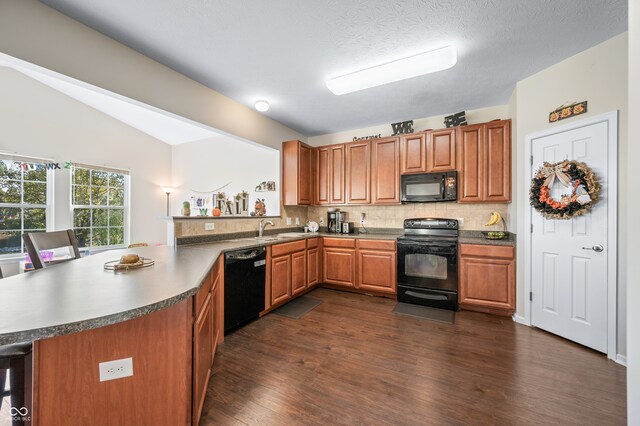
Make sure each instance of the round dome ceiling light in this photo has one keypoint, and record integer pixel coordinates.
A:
(262, 105)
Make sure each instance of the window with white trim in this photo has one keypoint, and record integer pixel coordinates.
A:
(99, 204)
(24, 201)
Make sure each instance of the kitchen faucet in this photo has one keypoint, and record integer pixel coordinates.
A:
(262, 224)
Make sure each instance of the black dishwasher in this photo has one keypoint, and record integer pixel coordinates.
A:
(244, 281)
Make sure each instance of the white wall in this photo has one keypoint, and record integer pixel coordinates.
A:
(633, 228)
(435, 122)
(34, 32)
(39, 121)
(212, 163)
(598, 75)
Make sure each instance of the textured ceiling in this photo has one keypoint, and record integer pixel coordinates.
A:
(284, 50)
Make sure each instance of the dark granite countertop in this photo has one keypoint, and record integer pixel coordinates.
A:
(81, 295)
(476, 237)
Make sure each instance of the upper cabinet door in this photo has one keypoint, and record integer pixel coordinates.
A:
(414, 154)
(336, 174)
(471, 163)
(322, 171)
(296, 174)
(497, 160)
(441, 151)
(358, 172)
(385, 171)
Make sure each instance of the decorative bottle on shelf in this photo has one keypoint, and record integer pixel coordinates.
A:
(186, 208)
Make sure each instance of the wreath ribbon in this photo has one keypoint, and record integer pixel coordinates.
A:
(553, 171)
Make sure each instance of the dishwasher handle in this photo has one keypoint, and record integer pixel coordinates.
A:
(246, 254)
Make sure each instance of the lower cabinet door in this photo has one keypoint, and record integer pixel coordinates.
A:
(280, 279)
(298, 272)
(377, 271)
(487, 283)
(338, 266)
(216, 328)
(313, 267)
(202, 355)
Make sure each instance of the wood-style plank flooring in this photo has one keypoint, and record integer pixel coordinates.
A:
(352, 361)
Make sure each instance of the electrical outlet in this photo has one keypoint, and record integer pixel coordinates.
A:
(362, 218)
(321, 221)
(297, 221)
(460, 222)
(288, 221)
(116, 369)
(209, 226)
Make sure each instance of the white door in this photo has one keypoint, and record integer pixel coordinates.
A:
(568, 270)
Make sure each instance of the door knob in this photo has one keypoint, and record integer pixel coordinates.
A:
(597, 248)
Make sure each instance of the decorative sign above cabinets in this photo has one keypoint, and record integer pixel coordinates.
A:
(402, 128)
(363, 138)
(455, 120)
(566, 111)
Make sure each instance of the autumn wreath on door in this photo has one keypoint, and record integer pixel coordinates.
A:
(572, 174)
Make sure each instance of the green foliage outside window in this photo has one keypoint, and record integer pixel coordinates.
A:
(98, 207)
(23, 204)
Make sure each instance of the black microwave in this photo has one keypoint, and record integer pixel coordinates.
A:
(429, 187)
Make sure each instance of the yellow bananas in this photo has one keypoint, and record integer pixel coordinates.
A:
(495, 218)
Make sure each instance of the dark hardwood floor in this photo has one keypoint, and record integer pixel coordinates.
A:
(352, 361)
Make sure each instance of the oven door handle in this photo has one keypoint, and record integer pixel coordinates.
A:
(426, 296)
(421, 244)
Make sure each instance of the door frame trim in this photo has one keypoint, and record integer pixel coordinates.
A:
(611, 118)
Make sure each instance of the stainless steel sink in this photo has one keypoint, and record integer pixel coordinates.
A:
(293, 234)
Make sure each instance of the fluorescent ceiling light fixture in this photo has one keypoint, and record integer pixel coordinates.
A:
(401, 69)
(262, 105)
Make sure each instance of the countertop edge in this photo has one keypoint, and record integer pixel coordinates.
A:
(103, 321)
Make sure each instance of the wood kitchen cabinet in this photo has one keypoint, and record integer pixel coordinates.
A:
(313, 261)
(385, 171)
(217, 306)
(298, 272)
(280, 279)
(329, 174)
(487, 278)
(297, 188)
(413, 153)
(339, 261)
(287, 272)
(484, 162)
(208, 311)
(441, 151)
(202, 355)
(376, 266)
(358, 172)
(497, 161)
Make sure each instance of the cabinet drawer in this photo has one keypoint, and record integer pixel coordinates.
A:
(313, 243)
(339, 242)
(377, 244)
(485, 250)
(286, 248)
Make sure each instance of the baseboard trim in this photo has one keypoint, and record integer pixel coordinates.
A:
(621, 359)
(520, 320)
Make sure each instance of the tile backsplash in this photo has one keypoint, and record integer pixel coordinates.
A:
(191, 227)
(474, 215)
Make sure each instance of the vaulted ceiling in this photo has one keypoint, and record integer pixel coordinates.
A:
(285, 50)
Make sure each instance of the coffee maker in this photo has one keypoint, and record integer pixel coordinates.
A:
(335, 221)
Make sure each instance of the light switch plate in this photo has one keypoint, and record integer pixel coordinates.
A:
(288, 221)
(209, 226)
(460, 222)
(116, 369)
(297, 221)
